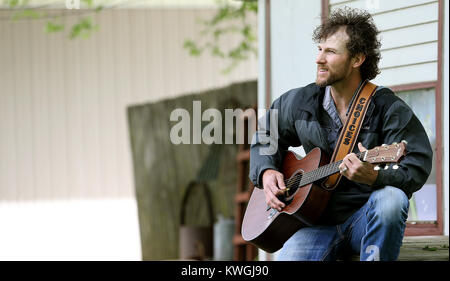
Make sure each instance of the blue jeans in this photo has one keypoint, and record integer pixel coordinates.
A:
(375, 231)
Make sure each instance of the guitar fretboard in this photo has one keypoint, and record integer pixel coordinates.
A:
(319, 173)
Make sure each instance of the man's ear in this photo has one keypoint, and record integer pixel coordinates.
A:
(358, 60)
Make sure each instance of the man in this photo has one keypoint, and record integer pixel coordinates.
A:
(367, 212)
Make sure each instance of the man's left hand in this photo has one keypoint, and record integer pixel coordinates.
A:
(357, 170)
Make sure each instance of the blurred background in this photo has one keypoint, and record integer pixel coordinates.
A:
(87, 168)
(68, 75)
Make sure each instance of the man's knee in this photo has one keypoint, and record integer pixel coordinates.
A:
(390, 204)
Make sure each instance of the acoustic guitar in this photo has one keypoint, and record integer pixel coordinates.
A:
(305, 197)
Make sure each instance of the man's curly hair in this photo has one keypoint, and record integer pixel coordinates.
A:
(362, 33)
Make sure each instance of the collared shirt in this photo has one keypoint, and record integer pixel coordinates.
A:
(331, 123)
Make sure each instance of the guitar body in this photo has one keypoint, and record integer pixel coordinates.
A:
(270, 229)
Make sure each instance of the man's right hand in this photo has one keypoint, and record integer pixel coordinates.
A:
(274, 186)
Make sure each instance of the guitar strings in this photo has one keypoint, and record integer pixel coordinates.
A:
(309, 177)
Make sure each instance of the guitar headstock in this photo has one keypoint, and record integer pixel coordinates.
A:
(386, 154)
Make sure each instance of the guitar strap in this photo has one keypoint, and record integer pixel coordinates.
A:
(350, 131)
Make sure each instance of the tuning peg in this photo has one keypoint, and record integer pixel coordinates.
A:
(386, 167)
(395, 167)
(376, 168)
(405, 142)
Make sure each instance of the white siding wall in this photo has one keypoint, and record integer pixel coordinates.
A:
(63, 102)
(409, 35)
(293, 50)
(65, 165)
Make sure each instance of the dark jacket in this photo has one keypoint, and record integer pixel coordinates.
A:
(388, 119)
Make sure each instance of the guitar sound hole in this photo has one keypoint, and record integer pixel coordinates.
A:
(292, 184)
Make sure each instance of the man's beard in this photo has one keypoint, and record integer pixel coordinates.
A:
(333, 77)
(330, 80)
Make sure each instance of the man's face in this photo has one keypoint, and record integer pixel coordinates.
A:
(333, 59)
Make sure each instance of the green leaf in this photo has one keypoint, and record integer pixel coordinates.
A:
(192, 47)
(89, 3)
(229, 20)
(217, 52)
(98, 8)
(83, 29)
(12, 3)
(51, 27)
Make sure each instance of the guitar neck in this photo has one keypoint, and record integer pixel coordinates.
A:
(324, 171)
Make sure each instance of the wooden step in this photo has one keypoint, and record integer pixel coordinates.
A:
(422, 248)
